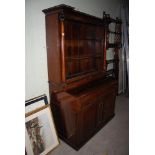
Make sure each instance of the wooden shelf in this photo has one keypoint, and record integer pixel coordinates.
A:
(110, 71)
(87, 39)
(113, 45)
(115, 21)
(110, 61)
(83, 57)
(115, 32)
(80, 73)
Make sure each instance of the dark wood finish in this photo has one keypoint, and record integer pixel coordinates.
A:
(53, 45)
(82, 91)
(80, 112)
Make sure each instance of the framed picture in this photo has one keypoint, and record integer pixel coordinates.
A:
(40, 133)
(35, 103)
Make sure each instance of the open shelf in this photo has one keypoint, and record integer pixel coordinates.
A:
(79, 74)
(110, 71)
(77, 66)
(86, 39)
(110, 61)
(117, 33)
(113, 45)
(84, 57)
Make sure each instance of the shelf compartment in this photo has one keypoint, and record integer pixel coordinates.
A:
(113, 45)
(111, 61)
(77, 67)
(76, 48)
(118, 33)
(110, 71)
(83, 57)
(79, 74)
(85, 39)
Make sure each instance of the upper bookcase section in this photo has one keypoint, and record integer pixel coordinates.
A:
(76, 45)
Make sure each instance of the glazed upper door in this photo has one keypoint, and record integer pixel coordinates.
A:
(83, 48)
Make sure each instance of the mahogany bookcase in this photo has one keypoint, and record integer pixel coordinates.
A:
(82, 90)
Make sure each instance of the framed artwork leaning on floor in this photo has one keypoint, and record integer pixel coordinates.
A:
(40, 133)
(35, 103)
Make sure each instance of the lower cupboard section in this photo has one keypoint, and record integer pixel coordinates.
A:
(77, 119)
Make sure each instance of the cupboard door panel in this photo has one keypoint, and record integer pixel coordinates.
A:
(100, 112)
(86, 123)
(109, 105)
(105, 108)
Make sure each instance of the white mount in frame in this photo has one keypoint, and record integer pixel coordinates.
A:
(40, 133)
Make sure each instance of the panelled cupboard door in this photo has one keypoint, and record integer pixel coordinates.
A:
(105, 108)
(109, 105)
(86, 123)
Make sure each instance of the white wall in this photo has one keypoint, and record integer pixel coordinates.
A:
(36, 80)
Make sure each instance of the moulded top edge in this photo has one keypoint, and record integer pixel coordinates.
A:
(67, 7)
(61, 6)
(70, 8)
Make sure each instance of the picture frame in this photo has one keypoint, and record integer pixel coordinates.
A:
(35, 103)
(40, 132)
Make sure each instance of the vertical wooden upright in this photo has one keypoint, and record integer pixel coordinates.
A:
(117, 46)
(62, 33)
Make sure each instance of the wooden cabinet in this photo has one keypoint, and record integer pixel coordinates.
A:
(82, 91)
(80, 113)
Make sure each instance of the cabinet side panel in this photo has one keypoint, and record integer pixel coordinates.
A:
(53, 48)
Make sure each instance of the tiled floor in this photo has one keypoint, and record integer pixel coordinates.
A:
(112, 139)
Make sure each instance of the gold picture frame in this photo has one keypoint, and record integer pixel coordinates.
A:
(40, 132)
